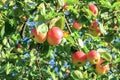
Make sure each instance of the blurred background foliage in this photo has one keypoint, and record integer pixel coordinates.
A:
(23, 59)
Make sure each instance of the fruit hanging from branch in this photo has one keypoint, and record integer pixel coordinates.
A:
(77, 25)
(93, 57)
(94, 29)
(40, 33)
(38, 37)
(79, 58)
(54, 36)
(93, 8)
(102, 69)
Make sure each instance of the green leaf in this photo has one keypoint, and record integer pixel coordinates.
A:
(85, 74)
(117, 60)
(116, 6)
(5, 42)
(117, 45)
(88, 12)
(11, 22)
(70, 39)
(42, 9)
(69, 2)
(43, 28)
(61, 22)
(102, 29)
(2, 31)
(105, 3)
(8, 68)
(61, 2)
(77, 75)
(105, 54)
(1, 5)
(85, 49)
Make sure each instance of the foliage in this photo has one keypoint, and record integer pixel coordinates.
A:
(23, 58)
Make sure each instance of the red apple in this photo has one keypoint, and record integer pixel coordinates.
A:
(79, 58)
(93, 56)
(93, 9)
(101, 70)
(77, 25)
(94, 25)
(54, 36)
(94, 29)
(38, 36)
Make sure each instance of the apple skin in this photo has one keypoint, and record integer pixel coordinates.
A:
(96, 32)
(93, 9)
(77, 25)
(34, 31)
(38, 36)
(79, 58)
(93, 56)
(54, 36)
(101, 70)
(94, 29)
(94, 25)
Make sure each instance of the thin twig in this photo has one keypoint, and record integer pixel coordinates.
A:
(24, 24)
(70, 31)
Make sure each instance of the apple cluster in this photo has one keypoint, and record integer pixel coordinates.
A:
(54, 36)
(79, 59)
(94, 27)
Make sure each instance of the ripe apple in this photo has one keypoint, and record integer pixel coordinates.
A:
(94, 25)
(38, 36)
(93, 9)
(94, 29)
(93, 56)
(77, 25)
(79, 58)
(54, 36)
(102, 69)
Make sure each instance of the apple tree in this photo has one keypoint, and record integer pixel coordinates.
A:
(59, 39)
